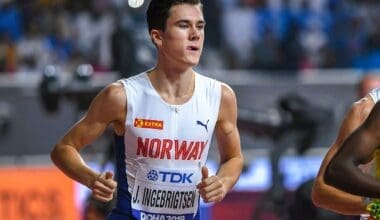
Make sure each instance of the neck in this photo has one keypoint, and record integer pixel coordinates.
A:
(174, 86)
(172, 68)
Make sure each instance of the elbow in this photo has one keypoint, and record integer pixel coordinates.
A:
(241, 165)
(241, 161)
(317, 201)
(317, 192)
(54, 155)
(315, 198)
(238, 163)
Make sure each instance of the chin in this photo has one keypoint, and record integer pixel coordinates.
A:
(193, 62)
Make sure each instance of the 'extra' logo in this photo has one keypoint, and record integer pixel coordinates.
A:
(171, 177)
(147, 123)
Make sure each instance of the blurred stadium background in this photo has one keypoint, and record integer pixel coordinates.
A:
(294, 64)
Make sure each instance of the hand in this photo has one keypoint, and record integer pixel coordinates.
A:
(104, 187)
(211, 188)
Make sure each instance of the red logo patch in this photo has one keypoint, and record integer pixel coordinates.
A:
(146, 123)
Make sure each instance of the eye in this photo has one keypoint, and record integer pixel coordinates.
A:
(183, 25)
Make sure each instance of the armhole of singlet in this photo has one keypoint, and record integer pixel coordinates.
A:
(219, 98)
(124, 83)
(374, 95)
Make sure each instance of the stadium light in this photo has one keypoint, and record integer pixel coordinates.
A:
(135, 3)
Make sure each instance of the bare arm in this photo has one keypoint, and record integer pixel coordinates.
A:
(214, 188)
(326, 196)
(106, 108)
(359, 148)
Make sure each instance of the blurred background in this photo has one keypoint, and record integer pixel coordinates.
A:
(295, 66)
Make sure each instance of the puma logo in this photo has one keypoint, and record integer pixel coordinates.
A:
(202, 124)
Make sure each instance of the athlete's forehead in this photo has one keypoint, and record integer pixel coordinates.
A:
(186, 12)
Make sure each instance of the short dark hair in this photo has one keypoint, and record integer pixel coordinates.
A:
(158, 12)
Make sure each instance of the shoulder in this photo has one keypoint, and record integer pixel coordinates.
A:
(228, 103)
(228, 93)
(356, 115)
(112, 95)
(374, 115)
(372, 122)
(366, 112)
(114, 91)
(362, 107)
(375, 94)
(108, 105)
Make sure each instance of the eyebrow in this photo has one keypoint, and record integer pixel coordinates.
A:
(188, 21)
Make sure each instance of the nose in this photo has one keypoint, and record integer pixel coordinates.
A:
(195, 34)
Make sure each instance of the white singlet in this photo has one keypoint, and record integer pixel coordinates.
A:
(166, 146)
(375, 94)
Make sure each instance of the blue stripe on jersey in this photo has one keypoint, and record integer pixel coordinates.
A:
(123, 208)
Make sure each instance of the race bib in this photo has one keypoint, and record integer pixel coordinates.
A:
(162, 193)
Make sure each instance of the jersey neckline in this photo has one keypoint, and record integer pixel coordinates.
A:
(175, 107)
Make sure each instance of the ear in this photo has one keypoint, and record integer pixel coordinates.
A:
(156, 36)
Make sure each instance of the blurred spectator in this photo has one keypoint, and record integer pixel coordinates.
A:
(123, 46)
(240, 33)
(243, 34)
(371, 56)
(92, 31)
(290, 48)
(32, 51)
(51, 3)
(10, 20)
(212, 13)
(7, 54)
(267, 54)
(59, 41)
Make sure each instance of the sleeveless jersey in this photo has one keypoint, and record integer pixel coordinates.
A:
(163, 149)
(375, 96)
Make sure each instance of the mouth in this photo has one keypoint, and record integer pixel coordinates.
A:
(192, 48)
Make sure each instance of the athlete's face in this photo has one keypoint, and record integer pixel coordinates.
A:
(182, 40)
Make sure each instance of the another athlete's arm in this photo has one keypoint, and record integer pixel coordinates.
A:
(358, 148)
(326, 196)
(106, 108)
(214, 188)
